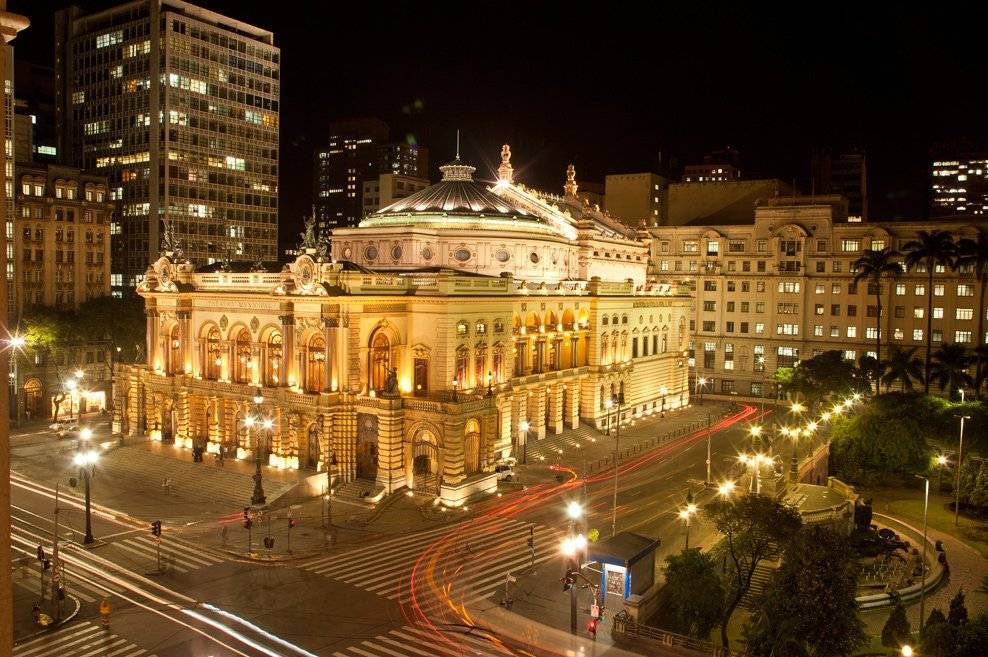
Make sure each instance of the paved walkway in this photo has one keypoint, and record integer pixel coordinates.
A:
(967, 568)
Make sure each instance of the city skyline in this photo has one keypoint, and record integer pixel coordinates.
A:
(652, 105)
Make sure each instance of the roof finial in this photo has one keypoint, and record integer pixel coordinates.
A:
(569, 189)
(457, 143)
(505, 172)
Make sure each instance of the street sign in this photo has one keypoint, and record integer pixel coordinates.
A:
(511, 578)
(594, 611)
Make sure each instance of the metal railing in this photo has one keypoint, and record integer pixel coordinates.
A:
(625, 625)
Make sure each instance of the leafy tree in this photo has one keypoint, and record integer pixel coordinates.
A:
(47, 331)
(754, 526)
(696, 593)
(783, 379)
(971, 638)
(871, 369)
(949, 368)
(903, 368)
(897, 629)
(120, 322)
(938, 636)
(810, 600)
(957, 613)
(930, 248)
(887, 436)
(974, 253)
(874, 266)
(826, 374)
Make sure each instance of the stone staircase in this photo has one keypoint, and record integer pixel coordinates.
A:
(759, 580)
(360, 491)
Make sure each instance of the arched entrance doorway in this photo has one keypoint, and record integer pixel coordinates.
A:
(32, 398)
(426, 475)
(313, 448)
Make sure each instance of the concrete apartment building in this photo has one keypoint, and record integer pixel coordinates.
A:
(780, 289)
(636, 199)
(179, 107)
(960, 184)
(389, 187)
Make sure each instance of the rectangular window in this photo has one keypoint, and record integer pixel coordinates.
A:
(709, 286)
(709, 306)
(821, 266)
(962, 337)
(728, 356)
(745, 305)
(919, 312)
(730, 286)
(938, 290)
(759, 286)
(836, 267)
(965, 290)
(756, 389)
(759, 328)
(920, 290)
(871, 311)
(900, 289)
(850, 245)
(898, 334)
(918, 335)
(759, 353)
(787, 329)
(746, 266)
(871, 332)
(821, 245)
(877, 245)
(735, 246)
(834, 331)
(937, 335)
(730, 327)
(821, 288)
(852, 331)
(730, 306)
(938, 313)
(850, 354)
(818, 309)
(691, 246)
(761, 266)
(835, 310)
(835, 288)
(900, 312)
(789, 287)
(713, 247)
(818, 330)
(761, 246)
(759, 306)
(852, 311)
(964, 313)
(709, 355)
(744, 327)
(787, 356)
(709, 326)
(727, 386)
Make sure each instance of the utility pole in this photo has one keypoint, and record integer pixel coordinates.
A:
(617, 445)
(709, 479)
(960, 461)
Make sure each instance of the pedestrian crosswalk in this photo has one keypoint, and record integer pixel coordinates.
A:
(476, 557)
(29, 578)
(80, 640)
(412, 641)
(176, 556)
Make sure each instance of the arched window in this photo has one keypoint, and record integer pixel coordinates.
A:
(243, 358)
(471, 447)
(380, 361)
(174, 352)
(315, 366)
(480, 368)
(603, 350)
(462, 366)
(272, 369)
(212, 358)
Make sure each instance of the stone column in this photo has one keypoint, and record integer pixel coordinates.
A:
(555, 398)
(536, 414)
(390, 455)
(288, 357)
(453, 458)
(573, 404)
(574, 348)
(539, 353)
(185, 337)
(329, 335)
(152, 337)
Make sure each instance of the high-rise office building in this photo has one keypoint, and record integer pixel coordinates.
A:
(845, 174)
(357, 151)
(959, 179)
(34, 107)
(178, 106)
(719, 166)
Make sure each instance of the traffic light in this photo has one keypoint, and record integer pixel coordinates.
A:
(569, 581)
(46, 564)
(41, 553)
(156, 528)
(247, 519)
(592, 626)
(531, 537)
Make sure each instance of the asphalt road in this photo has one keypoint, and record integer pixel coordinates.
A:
(411, 594)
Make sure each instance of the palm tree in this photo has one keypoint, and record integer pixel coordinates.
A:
(949, 368)
(874, 266)
(930, 248)
(974, 253)
(902, 366)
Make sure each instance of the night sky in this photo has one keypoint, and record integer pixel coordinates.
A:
(619, 88)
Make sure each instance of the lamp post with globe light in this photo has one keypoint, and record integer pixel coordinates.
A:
(573, 548)
(941, 461)
(16, 344)
(700, 385)
(685, 514)
(524, 441)
(258, 497)
(86, 461)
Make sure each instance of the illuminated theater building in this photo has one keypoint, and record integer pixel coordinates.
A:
(441, 334)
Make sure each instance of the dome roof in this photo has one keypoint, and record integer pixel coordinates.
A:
(457, 192)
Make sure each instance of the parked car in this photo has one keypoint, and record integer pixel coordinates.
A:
(504, 472)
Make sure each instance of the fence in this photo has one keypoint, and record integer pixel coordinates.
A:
(626, 627)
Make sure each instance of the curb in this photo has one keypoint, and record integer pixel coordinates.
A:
(932, 580)
(54, 626)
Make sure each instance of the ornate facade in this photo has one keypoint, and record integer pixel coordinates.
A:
(438, 336)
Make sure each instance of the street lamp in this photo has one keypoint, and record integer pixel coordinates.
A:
(685, 513)
(619, 398)
(573, 547)
(941, 461)
(663, 391)
(700, 383)
(16, 343)
(726, 489)
(86, 433)
(609, 404)
(86, 461)
(907, 650)
(960, 461)
(524, 441)
(922, 563)
(258, 497)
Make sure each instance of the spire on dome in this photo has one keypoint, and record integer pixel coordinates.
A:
(505, 172)
(569, 189)
(456, 170)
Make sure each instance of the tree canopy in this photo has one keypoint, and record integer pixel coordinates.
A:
(695, 593)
